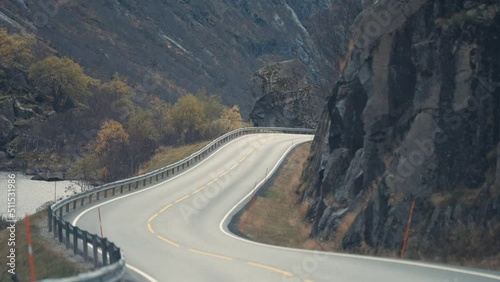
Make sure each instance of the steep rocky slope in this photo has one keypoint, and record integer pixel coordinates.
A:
(166, 48)
(170, 47)
(414, 117)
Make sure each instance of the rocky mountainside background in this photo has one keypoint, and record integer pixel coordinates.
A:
(413, 117)
(170, 48)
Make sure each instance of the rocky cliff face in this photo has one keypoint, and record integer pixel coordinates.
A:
(170, 47)
(414, 117)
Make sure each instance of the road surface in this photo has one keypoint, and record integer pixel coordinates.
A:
(177, 230)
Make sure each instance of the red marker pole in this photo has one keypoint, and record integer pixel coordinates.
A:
(30, 249)
(100, 223)
(407, 229)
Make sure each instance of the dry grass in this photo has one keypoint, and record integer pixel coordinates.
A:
(277, 217)
(49, 262)
(169, 155)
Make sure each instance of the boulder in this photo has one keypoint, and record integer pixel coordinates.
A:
(285, 96)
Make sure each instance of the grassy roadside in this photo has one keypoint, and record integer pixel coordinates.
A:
(50, 260)
(276, 215)
(166, 155)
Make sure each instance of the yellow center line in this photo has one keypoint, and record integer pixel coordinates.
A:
(150, 228)
(209, 254)
(165, 208)
(153, 217)
(286, 273)
(182, 199)
(199, 190)
(206, 253)
(168, 241)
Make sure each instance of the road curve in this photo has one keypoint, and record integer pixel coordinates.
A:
(177, 230)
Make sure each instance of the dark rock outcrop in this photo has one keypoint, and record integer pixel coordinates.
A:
(414, 117)
(285, 96)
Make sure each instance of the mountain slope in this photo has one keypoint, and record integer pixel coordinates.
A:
(170, 47)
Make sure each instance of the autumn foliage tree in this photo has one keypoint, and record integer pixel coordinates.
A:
(189, 119)
(119, 150)
(62, 80)
(202, 117)
(231, 119)
(113, 100)
(16, 50)
(108, 155)
(110, 147)
(143, 136)
(16, 54)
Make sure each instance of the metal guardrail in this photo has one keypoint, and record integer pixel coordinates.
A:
(110, 264)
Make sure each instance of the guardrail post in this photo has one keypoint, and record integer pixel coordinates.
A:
(90, 198)
(74, 204)
(54, 224)
(97, 195)
(111, 251)
(157, 177)
(104, 248)
(129, 187)
(163, 174)
(81, 201)
(67, 234)
(59, 229)
(60, 212)
(85, 245)
(75, 240)
(105, 193)
(49, 219)
(114, 188)
(67, 207)
(121, 189)
(94, 247)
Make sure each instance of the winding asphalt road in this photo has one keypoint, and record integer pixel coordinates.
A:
(177, 230)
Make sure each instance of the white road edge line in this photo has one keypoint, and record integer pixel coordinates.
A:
(223, 227)
(142, 273)
(75, 221)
